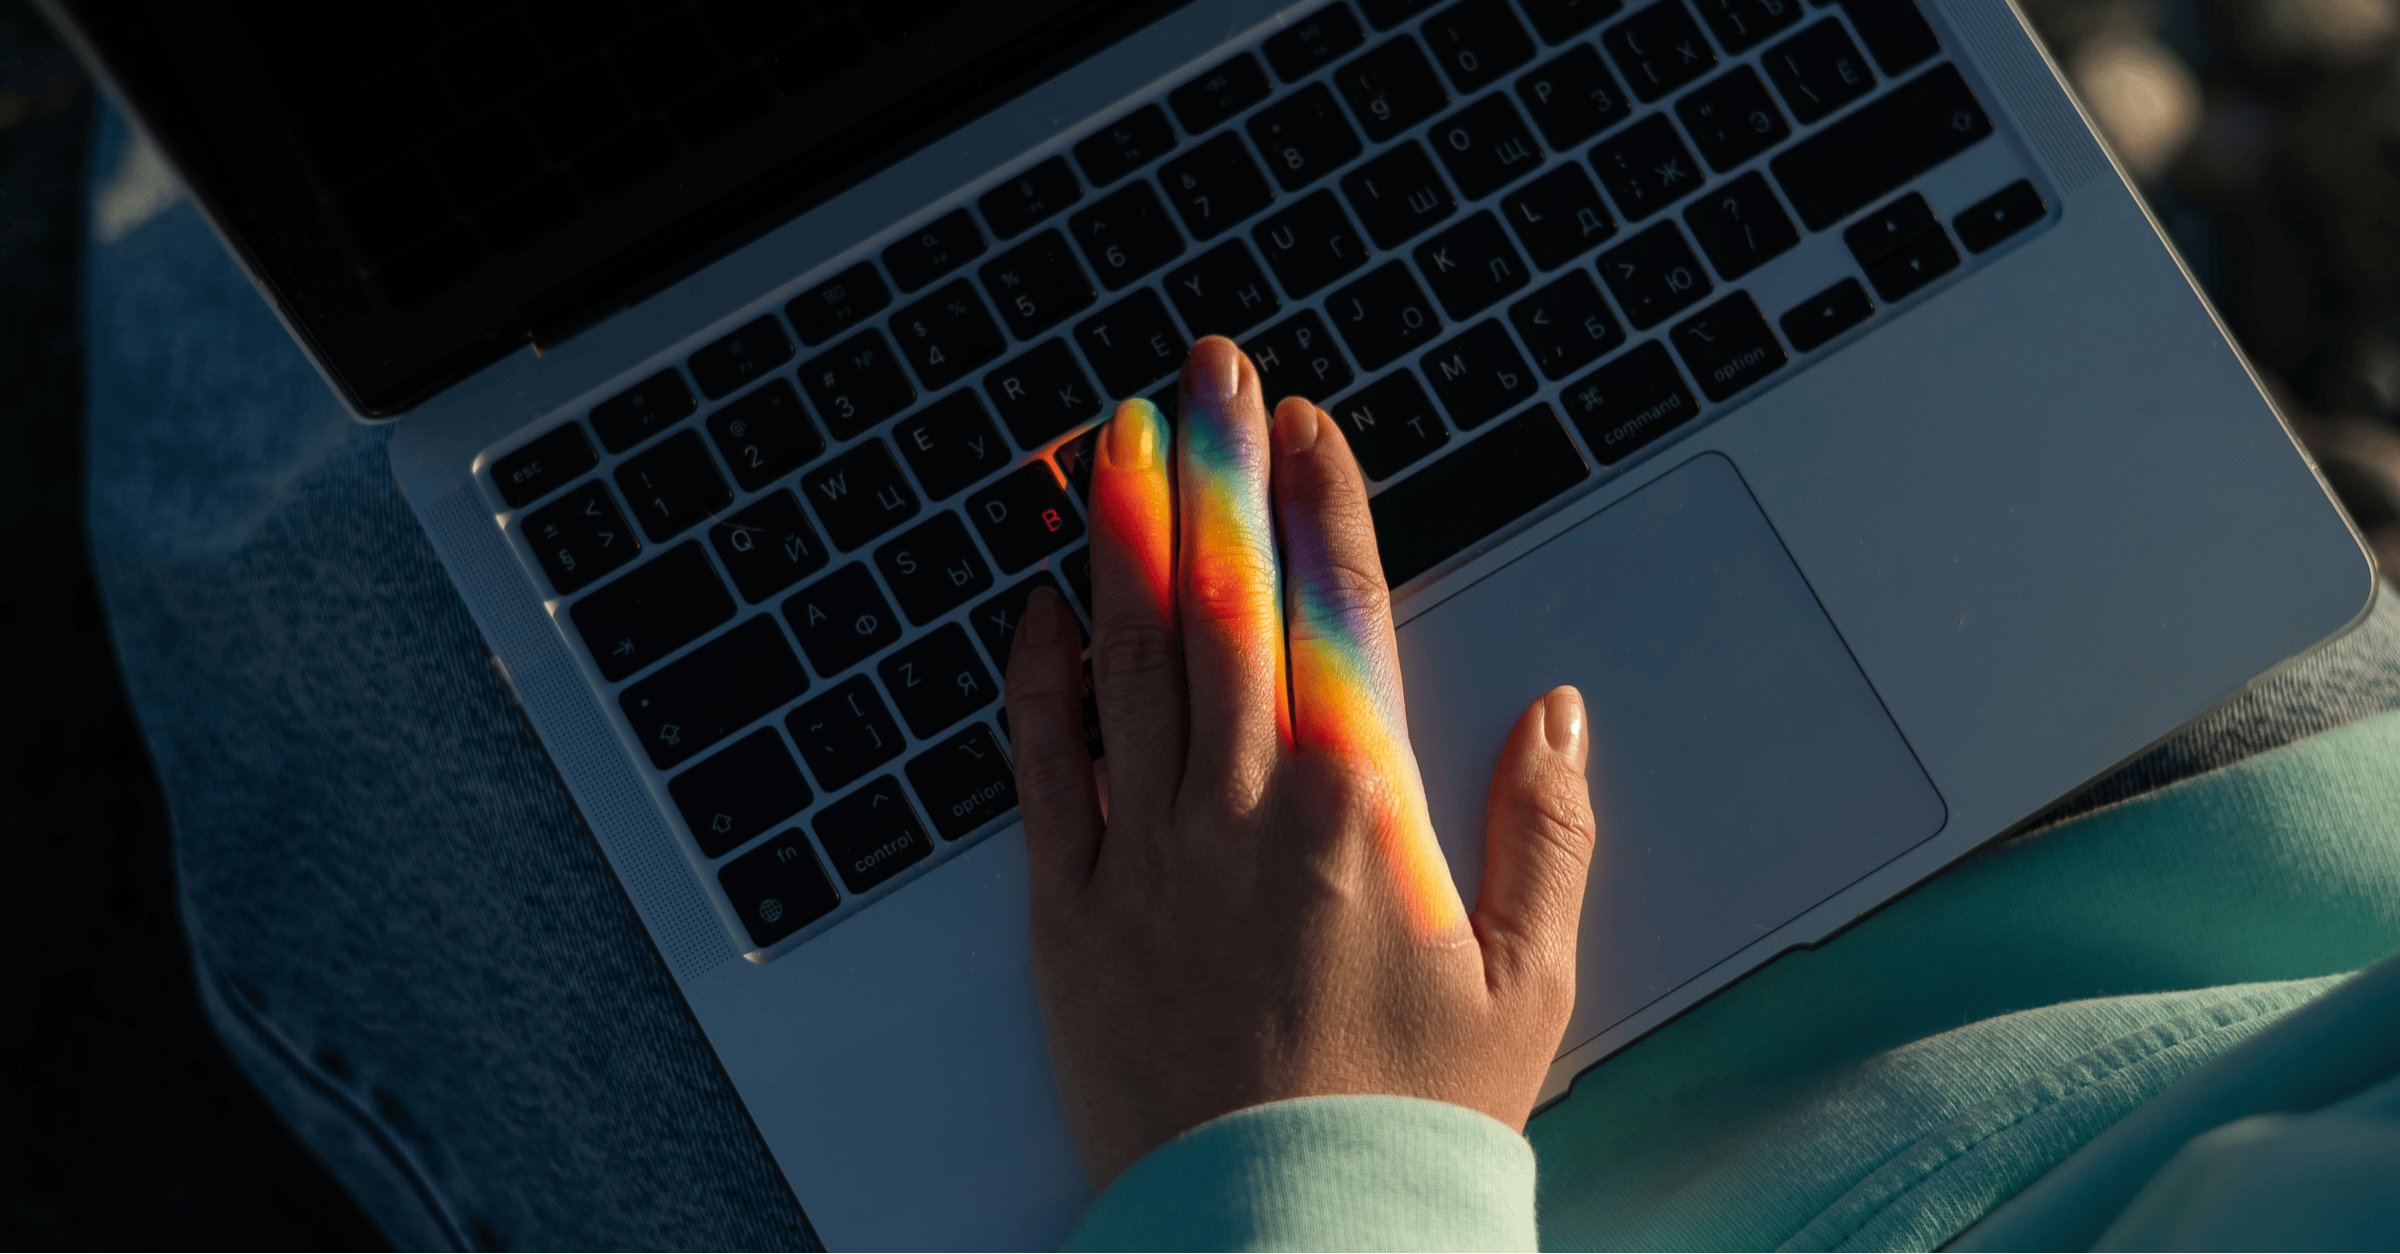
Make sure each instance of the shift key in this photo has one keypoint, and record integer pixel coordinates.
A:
(1883, 144)
(713, 691)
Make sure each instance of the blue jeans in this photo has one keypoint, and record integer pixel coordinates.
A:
(398, 923)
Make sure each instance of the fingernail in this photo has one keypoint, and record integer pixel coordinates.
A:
(1562, 725)
(1295, 428)
(1214, 373)
(1131, 441)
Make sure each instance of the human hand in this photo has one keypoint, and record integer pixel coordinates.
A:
(1247, 903)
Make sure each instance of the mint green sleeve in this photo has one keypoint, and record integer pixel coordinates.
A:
(1324, 1173)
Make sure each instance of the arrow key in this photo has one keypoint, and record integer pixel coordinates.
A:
(2006, 212)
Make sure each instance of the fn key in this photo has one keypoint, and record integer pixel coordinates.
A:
(778, 888)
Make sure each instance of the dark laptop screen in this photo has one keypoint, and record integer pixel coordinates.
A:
(427, 187)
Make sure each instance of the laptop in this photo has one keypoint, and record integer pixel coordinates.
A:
(1799, 379)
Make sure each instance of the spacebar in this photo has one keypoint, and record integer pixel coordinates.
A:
(1498, 478)
(1917, 126)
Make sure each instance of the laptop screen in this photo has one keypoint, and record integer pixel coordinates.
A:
(427, 187)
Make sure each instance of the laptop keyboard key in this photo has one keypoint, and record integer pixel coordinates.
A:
(1740, 24)
(1476, 42)
(1741, 225)
(1074, 460)
(936, 680)
(1222, 291)
(1659, 49)
(1076, 569)
(1314, 43)
(1391, 89)
(547, 463)
(1732, 119)
(1132, 343)
(1304, 136)
(1915, 264)
(1567, 325)
(1728, 346)
(1889, 229)
(765, 435)
(746, 355)
(642, 411)
(713, 691)
(932, 568)
(1126, 235)
(1215, 186)
(1020, 204)
(1041, 394)
(1478, 375)
(1219, 94)
(768, 547)
(778, 888)
(1390, 423)
(1485, 146)
(1888, 141)
(1655, 276)
(1560, 20)
(948, 334)
(1471, 266)
(838, 304)
(995, 621)
(1990, 220)
(951, 444)
(858, 383)
(580, 537)
(842, 619)
(1296, 357)
(748, 787)
(934, 249)
(1559, 216)
(1572, 97)
(1383, 315)
(1894, 31)
(1819, 70)
(1826, 315)
(1036, 285)
(1126, 145)
(1646, 168)
(673, 487)
(859, 495)
(1024, 517)
(1625, 405)
(1310, 244)
(872, 835)
(1398, 194)
(662, 606)
(1490, 482)
(845, 733)
(964, 782)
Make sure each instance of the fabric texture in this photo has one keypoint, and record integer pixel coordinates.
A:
(402, 930)
(1888, 1089)
(1324, 1173)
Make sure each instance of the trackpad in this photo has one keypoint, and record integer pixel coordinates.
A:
(1742, 768)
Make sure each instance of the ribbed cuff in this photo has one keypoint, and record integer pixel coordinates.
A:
(1325, 1173)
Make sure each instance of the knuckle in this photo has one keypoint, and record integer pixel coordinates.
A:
(1342, 594)
(1135, 651)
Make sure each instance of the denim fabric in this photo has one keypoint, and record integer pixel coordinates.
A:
(400, 926)
(401, 929)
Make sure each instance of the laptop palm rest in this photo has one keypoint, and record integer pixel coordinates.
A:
(1743, 770)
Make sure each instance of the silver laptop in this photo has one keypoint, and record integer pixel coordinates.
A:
(1801, 381)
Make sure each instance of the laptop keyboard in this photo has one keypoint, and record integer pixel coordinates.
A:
(1475, 235)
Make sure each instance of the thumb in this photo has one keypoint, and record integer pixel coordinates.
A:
(1537, 848)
